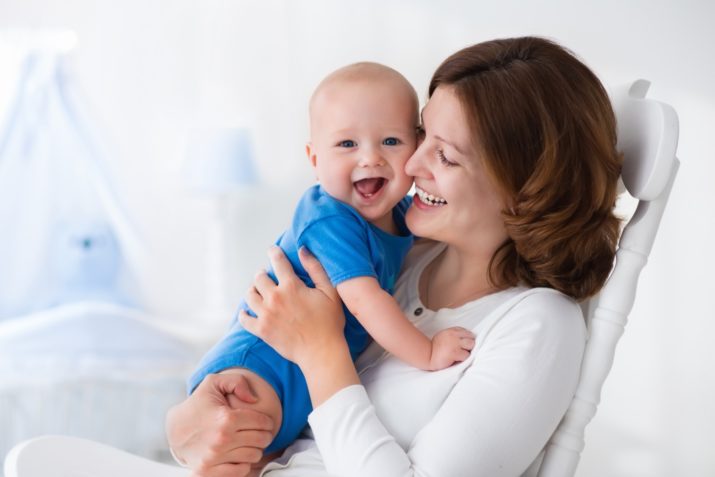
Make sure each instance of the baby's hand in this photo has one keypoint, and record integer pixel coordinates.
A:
(450, 346)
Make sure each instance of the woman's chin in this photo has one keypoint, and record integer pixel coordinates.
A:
(418, 224)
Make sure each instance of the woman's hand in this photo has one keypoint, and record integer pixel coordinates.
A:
(215, 432)
(297, 321)
(305, 325)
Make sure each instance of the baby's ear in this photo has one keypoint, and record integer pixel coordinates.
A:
(309, 152)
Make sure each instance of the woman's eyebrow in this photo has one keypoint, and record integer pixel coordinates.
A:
(440, 138)
(451, 144)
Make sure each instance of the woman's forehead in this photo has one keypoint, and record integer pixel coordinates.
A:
(444, 116)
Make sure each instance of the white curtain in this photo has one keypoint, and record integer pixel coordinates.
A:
(61, 220)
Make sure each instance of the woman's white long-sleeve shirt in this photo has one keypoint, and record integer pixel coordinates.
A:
(488, 416)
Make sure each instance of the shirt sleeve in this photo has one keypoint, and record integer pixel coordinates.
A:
(494, 422)
(341, 244)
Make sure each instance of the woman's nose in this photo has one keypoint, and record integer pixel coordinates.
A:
(415, 165)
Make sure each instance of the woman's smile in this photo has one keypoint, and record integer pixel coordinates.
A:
(425, 198)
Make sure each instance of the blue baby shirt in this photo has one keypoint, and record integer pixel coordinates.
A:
(348, 247)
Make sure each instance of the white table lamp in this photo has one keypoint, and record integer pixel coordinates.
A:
(219, 163)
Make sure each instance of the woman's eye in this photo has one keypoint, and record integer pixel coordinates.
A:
(347, 143)
(443, 159)
(391, 141)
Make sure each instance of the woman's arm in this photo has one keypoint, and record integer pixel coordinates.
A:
(495, 420)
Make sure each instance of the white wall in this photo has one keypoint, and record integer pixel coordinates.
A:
(153, 69)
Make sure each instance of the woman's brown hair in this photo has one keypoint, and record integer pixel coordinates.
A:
(547, 134)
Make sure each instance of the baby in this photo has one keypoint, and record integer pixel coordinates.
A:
(363, 128)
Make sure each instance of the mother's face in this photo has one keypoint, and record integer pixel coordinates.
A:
(456, 201)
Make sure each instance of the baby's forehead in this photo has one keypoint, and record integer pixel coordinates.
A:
(361, 75)
(361, 86)
(360, 78)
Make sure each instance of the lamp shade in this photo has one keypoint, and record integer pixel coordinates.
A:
(219, 160)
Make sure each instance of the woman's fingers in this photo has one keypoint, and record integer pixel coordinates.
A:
(255, 439)
(281, 266)
(316, 271)
(244, 454)
(240, 436)
(251, 324)
(264, 327)
(264, 283)
(228, 383)
(221, 429)
(222, 470)
(245, 419)
(254, 300)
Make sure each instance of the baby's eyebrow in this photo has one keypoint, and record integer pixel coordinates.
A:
(342, 132)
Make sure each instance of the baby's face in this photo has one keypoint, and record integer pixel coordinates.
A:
(362, 133)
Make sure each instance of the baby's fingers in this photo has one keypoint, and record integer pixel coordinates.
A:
(467, 343)
(461, 355)
(463, 332)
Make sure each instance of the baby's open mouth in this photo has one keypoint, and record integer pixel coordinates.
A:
(369, 187)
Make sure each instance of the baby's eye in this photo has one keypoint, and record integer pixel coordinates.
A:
(391, 141)
(347, 143)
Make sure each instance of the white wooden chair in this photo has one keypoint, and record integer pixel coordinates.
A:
(648, 138)
(648, 134)
(63, 456)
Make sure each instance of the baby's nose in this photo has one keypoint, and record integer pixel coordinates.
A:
(371, 157)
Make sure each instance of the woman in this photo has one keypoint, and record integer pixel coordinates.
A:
(519, 148)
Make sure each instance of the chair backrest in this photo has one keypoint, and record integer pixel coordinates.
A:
(648, 137)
